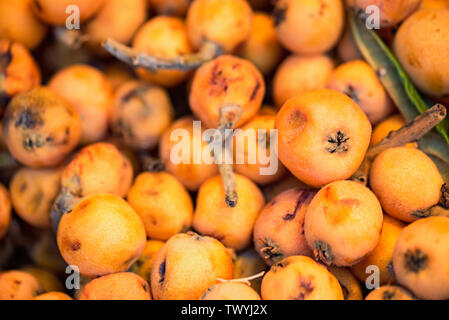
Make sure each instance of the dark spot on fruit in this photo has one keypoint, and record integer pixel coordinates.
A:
(351, 93)
(76, 245)
(388, 295)
(23, 187)
(279, 15)
(305, 288)
(37, 198)
(304, 197)
(17, 282)
(28, 119)
(256, 88)
(162, 269)
(145, 287)
(415, 260)
(337, 142)
(37, 5)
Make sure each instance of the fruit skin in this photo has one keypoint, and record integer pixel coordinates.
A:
(222, 81)
(101, 235)
(352, 290)
(245, 143)
(187, 265)
(262, 47)
(116, 19)
(19, 71)
(40, 128)
(192, 175)
(382, 255)
(434, 4)
(48, 280)
(164, 37)
(389, 292)
(300, 278)
(406, 181)
(308, 26)
(18, 23)
(343, 223)
(359, 81)
(54, 12)
(18, 285)
(116, 286)
(89, 92)
(347, 49)
(323, 136)
(280, 226)
(98, 168)
(419, 44)
(53, 296)
(232, 226)
(391, 12)
(420, 258)
(32, 194)
(298, 74)
(230, 291)
(140, 113)
(226, 23)
(163, 204)
(143, 265)
(5, 211)
(383, 128)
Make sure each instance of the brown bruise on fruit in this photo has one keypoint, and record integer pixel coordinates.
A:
(305, 288)
(323, 252)
(415, 260)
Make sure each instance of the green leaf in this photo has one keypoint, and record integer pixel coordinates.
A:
(391, 74)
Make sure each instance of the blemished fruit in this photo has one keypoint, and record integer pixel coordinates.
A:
(226, 23)
(90, 93)
(359, 81)
(18, 285)
(233, 226)
(391, 13)
(323, 136)
(162, 203)
(352, 290)
(18, 23)
(309, 26)
(54, 12)
(117, 286)
(298, 74)
(300, 278)
(19, 71)
(101, 235)
(343, 223)
(53, 295)
(32, 193)
(389, 292)
(279, 230)
(192, 174)
(140, 113)
(5, 211)
(262, 47)
(187, 265)
(406, 181)
(418, 45)
(40, 128)
(382, 256)
(420, 261)
(230, 290)
(226, 80)
(163, 37)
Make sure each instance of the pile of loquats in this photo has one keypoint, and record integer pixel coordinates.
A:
(93, 207)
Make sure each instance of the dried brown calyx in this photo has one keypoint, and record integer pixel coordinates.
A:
(337, 142)
(271, 250)
(323, 252)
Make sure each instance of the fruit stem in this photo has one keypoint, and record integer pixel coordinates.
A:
(229, 115)
(411, 132)
(207, 52)
(244, 280)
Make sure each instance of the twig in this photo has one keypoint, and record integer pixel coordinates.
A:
(244, 280)
(137, 59)
(408, 133)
